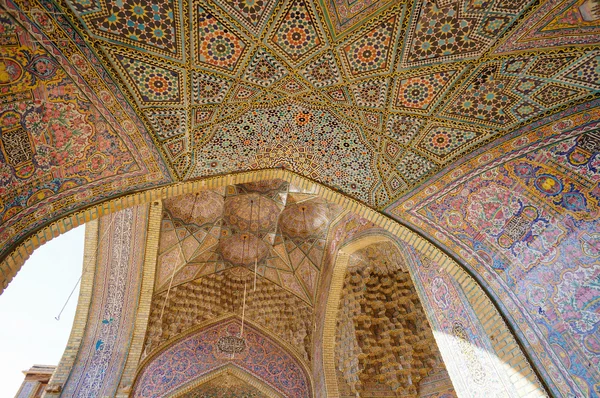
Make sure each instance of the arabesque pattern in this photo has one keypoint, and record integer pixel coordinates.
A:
(521, 221)
(66, 138)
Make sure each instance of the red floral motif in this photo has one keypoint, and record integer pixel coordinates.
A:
(6, 174)
(61, 126)
(490, 208)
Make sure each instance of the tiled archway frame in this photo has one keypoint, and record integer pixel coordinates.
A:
(114, 304)
(15, 260)
(481, 355)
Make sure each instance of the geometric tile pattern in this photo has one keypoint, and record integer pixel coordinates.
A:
(585, 72)
(243, 93)
(444, 142)
(372, 51)
(339, 95)
(153, 26)
(209, 89)
(291, 85)
(547, 66)
(202, 116)
(323, 71)
(343, 15)
(486, 99)
(264, 70)
(350, 56)
(420, 93)
(502, 94)
(319, 150)
(176, 147)
(296, 34)
(216, 45)
(372, 119)
(371, 94)
(453, 30)
(403, 128)
(253, 15)
(168, 123)
(556, 23)
(352, 108)
(554, 94)
(153, 84)
(331, 54)
(413, 167)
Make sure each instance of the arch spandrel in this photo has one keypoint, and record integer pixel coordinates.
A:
(532, 265)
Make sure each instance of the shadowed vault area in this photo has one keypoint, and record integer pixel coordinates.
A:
(401, 197)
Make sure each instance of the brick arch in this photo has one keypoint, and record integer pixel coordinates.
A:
(422, 245)
(185, 361)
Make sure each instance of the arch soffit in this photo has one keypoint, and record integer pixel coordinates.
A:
(11, 264)
(340, 265)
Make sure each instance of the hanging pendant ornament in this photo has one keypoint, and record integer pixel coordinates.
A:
(256, 246)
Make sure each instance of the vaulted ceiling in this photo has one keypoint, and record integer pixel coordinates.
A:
(475, 122)
(369, 97)
(261, 251)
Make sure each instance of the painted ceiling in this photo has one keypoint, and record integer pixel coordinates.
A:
(262, 252)
(212, 244)
(370, 97)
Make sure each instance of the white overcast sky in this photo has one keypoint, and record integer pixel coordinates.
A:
(29, 334)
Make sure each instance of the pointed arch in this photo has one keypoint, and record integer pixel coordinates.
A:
(187, 360)
(420, 244)
(227, 370)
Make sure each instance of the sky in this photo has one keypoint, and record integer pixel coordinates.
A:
(29, 334)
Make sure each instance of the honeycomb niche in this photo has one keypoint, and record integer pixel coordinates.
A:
(384, 344)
